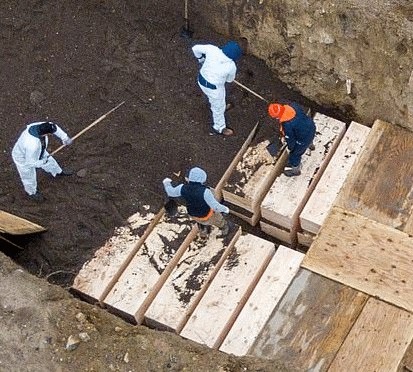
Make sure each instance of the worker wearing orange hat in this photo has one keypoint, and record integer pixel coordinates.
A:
(298, 130)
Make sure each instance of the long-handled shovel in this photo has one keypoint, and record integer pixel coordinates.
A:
(251, 91)
(88, 127)
(185, 31)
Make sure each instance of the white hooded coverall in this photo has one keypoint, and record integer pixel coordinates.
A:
(26, 155)
(217, 69)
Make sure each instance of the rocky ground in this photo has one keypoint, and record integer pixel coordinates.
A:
(71, 63)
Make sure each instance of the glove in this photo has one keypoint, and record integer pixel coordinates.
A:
(201, 59)
(41, 162)
(67, 141)
(166, 181)
(226, 211)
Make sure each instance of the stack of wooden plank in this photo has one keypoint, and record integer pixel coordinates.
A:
(287, 196)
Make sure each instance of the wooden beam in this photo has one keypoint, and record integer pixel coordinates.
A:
(310, 323)
(268, 292)
(378, 340)
(365, 255)
(13, 225)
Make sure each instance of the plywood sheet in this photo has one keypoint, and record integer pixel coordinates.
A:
(97, 274)
(13, 225)
(365, 255)
(225, 297)
(377, 341)
(139, 279)
(380, 185)
(188, 281)
(269, 290)
(327, 189)
(286, 193)
(310, 323)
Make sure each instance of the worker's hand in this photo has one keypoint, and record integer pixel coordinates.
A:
(166, 181)
(67, 141)
(201, 59)
(282, 140)
(226, 211)
(41, 162)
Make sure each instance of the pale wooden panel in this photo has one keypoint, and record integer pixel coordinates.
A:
(377, 341)
(252, 176)
(13, 225)
(327, 189)
(168, 240)
(228, 292)
(276, 231)
(269, 290)
(380, 184)
(286, 193)
(189, 280)
(365, 255)
(310, 323)
(97, 274)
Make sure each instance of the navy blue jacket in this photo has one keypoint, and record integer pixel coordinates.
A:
(193, 193)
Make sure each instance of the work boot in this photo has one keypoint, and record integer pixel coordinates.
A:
(225, 132)
(224, 230)
(204, 231)
(291, 171)
(37, 197)
(65, 172)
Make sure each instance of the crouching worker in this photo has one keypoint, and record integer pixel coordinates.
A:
(298, 131)
(201, 204)
(30, 152)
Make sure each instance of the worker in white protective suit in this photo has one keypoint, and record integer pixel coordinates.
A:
(30, 152)
(218, 68)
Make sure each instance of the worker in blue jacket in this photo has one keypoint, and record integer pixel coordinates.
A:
(200, 202)
(298, 131)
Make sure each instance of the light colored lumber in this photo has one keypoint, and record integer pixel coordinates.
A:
(310, 323)
(327, 189)
(285, 196)
(269, 290)
(98, 275)
(228, 292)
(276, 231)
(380, 184)
(141, 279)
(377, 341)
(305, 238)
(189, 280)
(366, 255)
(13, 225)
(252, 177)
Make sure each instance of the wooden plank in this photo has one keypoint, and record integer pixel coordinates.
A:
(327, 189)
(252, 176)
(268, 292)
(99, 274)
(13, 225)
(388, 155)
(365, 255)
(377, 341)
(286, 193)
(189, 280)
(145, 273)
(310, 323)
(275, 231)
(228, 292)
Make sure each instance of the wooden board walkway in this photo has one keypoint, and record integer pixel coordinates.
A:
(327, 189)
(14, 225)
(310, 323)
(216, 312)
(366, 255)
(287, 196)
(380, 187)
(264, 298)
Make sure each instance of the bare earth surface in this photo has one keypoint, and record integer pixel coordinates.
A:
(71, 62)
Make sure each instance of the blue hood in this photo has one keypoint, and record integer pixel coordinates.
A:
(232, 50)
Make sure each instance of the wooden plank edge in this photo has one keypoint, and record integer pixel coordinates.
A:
(140, 313)
(131, 255)
(243, 301)
(208, 282)
(233, 164)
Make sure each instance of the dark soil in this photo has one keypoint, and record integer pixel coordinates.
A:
(72, 62)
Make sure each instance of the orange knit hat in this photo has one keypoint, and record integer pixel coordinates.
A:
(275, 110)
